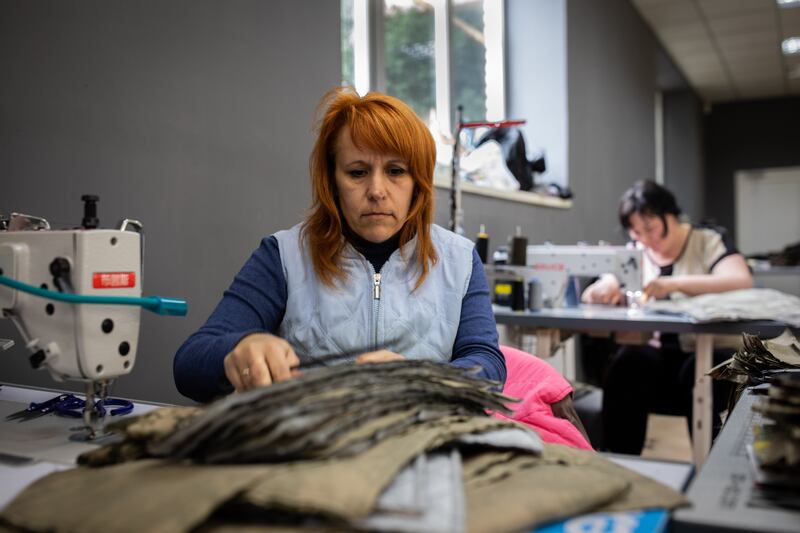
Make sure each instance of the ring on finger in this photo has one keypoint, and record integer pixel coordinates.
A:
(245, 372)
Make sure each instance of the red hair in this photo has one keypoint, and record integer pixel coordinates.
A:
(380, 123)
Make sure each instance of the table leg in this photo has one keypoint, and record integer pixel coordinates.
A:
(547, 341)
(568, 350)
(702, 399)
(514, 335)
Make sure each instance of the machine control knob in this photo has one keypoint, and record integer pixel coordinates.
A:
(60, 267)
(37, 359)
(90, 220)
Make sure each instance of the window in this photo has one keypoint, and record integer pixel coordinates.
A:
(409, 52)
(437, 55)
(432, 54)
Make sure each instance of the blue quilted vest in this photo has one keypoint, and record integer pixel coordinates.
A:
(368, 312)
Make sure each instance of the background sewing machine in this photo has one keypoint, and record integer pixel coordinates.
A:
(550, 269)
(75, 296)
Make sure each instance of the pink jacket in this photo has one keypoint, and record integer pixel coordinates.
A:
(538, 385)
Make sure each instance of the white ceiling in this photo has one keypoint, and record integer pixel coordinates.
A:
(728, 49)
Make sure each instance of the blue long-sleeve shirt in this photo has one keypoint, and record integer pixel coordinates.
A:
(256, 302)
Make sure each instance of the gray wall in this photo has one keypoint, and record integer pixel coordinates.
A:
(683, 151)
(746, 136)
(611, 78)
(193, 116)
(683, 137)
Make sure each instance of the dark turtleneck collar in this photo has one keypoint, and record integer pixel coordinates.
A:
(377, 253)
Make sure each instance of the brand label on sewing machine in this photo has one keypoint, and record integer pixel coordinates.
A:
(549, 266)
(113, 280)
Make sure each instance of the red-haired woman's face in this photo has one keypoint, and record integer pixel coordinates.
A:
(375, 189)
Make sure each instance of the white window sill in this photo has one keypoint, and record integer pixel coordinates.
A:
(523, 197)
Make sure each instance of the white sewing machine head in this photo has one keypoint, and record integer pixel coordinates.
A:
(75, 296)
(554, 265)
(73, 342)
(47, 278)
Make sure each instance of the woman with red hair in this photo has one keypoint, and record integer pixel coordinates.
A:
(367, 275)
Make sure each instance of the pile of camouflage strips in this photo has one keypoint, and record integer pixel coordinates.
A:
(775, 452)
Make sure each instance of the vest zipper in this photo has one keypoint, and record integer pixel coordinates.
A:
(376, 304)
(376, 286)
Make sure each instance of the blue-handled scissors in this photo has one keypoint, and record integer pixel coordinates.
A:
(70, 405)
(73, 407)
(35, 410)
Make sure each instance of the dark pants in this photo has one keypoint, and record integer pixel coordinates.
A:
(641, 380)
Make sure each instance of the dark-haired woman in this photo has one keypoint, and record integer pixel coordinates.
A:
(680, 260)
(367, 275)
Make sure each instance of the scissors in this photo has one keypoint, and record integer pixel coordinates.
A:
(70, 405)
(73, 407)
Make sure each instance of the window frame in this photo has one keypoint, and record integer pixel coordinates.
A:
(370, 67)
(369, 74)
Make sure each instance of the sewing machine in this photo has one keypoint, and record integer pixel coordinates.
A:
(74, 296)
(549, 269)
(553, 266)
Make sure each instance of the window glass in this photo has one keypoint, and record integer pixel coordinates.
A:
(409, 53)
(468, 53)
(348, 73)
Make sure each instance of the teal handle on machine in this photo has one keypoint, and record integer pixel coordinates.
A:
(156, 304)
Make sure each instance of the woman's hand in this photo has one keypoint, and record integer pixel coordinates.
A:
(603, 291)
(660, 288)
(381, 356)
(260, 359)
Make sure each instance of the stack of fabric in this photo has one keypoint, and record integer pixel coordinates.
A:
(789, 256)
(757, 360)
(775, 453)
(743, 304)
(336, 412)
(401, 446)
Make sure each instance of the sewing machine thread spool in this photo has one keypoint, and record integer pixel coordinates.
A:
(519, 247)
(482, 244)
(517, 296)
(534, 295)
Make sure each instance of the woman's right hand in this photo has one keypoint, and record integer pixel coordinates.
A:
(605, 290)
(259, 359)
